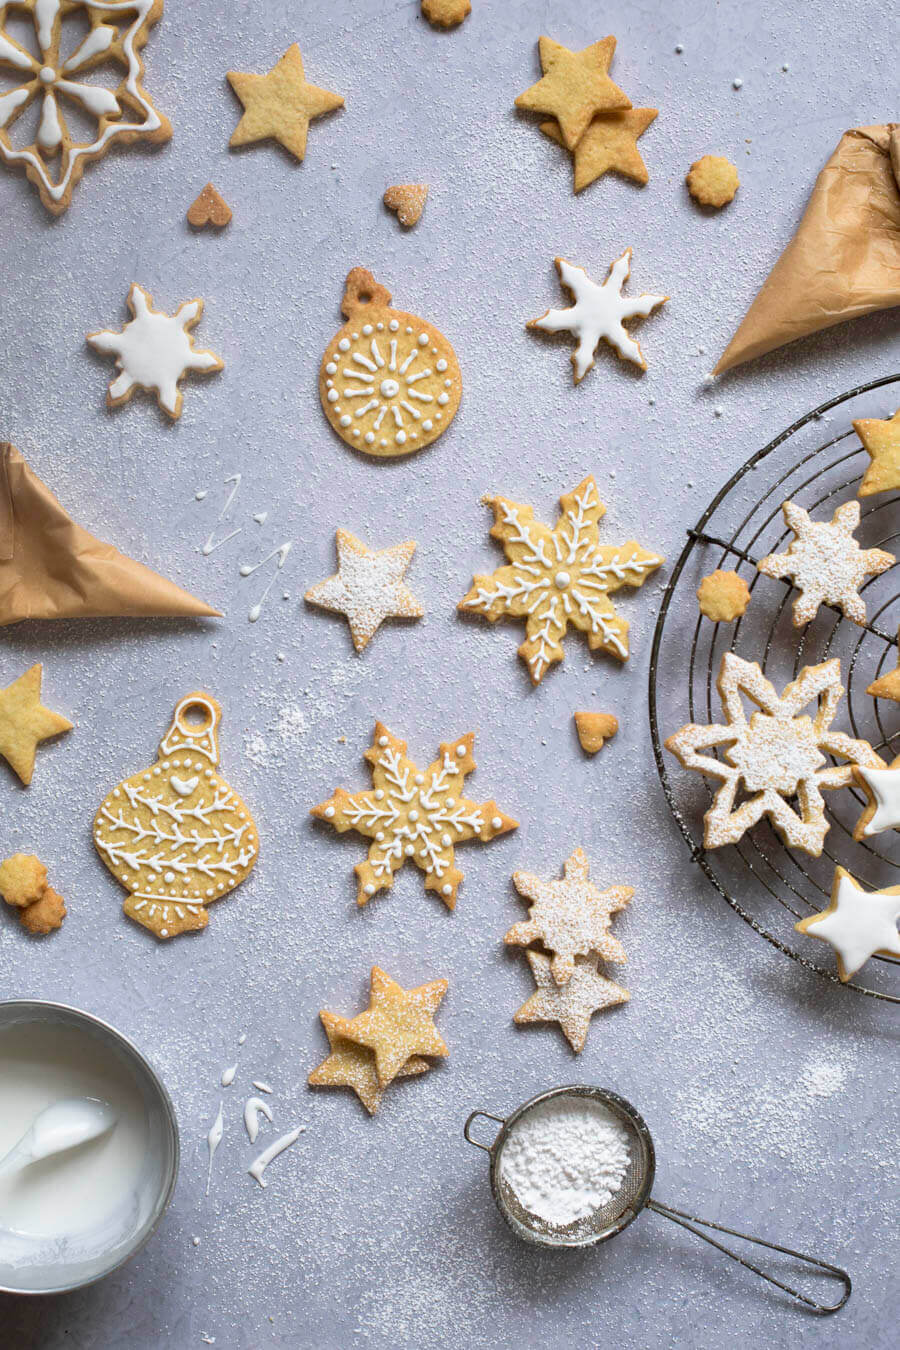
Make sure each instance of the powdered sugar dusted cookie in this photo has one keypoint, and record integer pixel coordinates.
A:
(407, 201)
(573, 1005)
(368, 587)
(826, 563)
(857, 923)
(397, 1026)
(353, 1066)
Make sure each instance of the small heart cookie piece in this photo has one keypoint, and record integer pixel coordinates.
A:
(593, 729)
(210, 208)
(408, 201)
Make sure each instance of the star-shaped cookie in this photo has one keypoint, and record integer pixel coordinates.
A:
(888, 686)
(397, 1025)
(279, 106)
(599, 312)
(353, 1066)
(573, 1005)
(575, 86)
(25, 722)
(882, 789)
(881, 439)
(570, 917)
(857, 923)
(368, 587)
(608, 145)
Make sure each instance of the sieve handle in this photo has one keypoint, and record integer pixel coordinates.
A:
(689, 1220)
(488, 1148)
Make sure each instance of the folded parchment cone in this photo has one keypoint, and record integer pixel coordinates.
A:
(50, 568)
(844, 260)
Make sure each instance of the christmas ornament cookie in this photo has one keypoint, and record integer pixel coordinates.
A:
(446, 13)
(410, 814)
(881, 441)
(575, 87)
(397, 1025)
(857, 923)
(25, 722)
(888, 686)
(569, 917)
(154, 351)
(390, 382)
(573, 1005)
(599, 312)
(826, 563)
(594, 730)
(776, 755)
(882, 789)
(712, 180)
(723, 596)
(608, 146)
(353, 1066)
(407, 201)
(209, 208)
(280, 106)
(176, 836)
(559, 577)
(87, 73)
(368, 587)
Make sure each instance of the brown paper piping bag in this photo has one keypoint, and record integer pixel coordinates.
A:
(844, 260)
(50, 568)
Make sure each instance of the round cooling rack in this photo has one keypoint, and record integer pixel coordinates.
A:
(817, 463)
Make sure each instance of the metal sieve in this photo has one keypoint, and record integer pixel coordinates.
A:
(632, 1196)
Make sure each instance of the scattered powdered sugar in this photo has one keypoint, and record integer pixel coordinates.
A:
(565, 1159)
(822, 1078)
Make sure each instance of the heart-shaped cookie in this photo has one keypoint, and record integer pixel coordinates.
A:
(184, 786)
(594, 729)
(210, 208)
(408, 201)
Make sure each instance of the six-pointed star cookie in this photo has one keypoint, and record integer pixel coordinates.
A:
(857, 923)
(368, 587)
(279, 106)
(573, 1005)
(608, 145)
(397, 1025)
(25, 722)
(353, 1066)
(575, 86)
(826, 563)
(888, 686)
(598, 312)
(570, 917)
(882, 789)
(881, 439)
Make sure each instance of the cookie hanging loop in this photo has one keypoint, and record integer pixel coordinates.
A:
(360, 290)
(194, 727)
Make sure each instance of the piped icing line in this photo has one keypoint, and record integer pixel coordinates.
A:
(269, 1155)
(213, 1140)
(228, 1075)
(254, 1108)
(210, 546)
(247, 570)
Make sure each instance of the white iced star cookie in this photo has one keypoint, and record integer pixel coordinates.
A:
(368, 587)
(882, 788)
(154, 351)
(826, 563)
(598, 312)
(857, 923)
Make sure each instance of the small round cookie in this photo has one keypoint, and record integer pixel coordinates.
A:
(723, 596)
(446, 13)
(45, 914)
(712, 180)
(23, 879)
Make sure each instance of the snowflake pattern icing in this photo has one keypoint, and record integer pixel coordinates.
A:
(559, 577)
(54, 162)
(776, 754)
(413, 814)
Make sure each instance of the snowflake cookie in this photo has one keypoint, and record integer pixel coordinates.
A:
(154, 351)
(25, 722)
(410, 814)
(368, 587)
(570, 917)
(776, 755)
(857, 923)
(75, 38)
(575, 87)
(397, 1026)
(573, 1005)
(826, 563)
(559, 576)
(279, 106)
(598, 312)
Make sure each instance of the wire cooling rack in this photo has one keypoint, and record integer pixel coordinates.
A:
(818, 463)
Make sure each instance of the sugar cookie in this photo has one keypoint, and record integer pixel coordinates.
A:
(397, 1025)
(353, 1066)
(888, 686)
(279, 106)
(209, 208)
(25, 722)
(23, 879)
(407, 201)
(446, 13)
(368, 587)
(881, 441)
(882, 789)
(575, 87)
(857, 923)
(573, 1005)
(723, 596)
(45, 915)
(712, 180)
(594, 730)
(608, 146)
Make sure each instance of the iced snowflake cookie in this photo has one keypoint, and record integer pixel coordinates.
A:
(209, 208)
(397, 1026)
(389, 382)
(279, 106)
(87, 74)
(882, 789)
(368, 587)
(407, 201)
(826, 563)
(559, 577)
(888, 686)
(777, 754)
(25, 722)
(177, 836)
(608, 146)
(858, 924)
(154, 351)
(410, 814)
(599, 312)
(575, 87)
(712, 180)
(594, 730)
(573, 1005)
(570, 917)
(723, 596)
(446, 13)
(881, 441)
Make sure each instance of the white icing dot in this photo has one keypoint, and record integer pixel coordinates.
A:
(496, 823)
(48, 75)
(176, 763)
(441, 364)
(382, 442)
(369, 889)
(400, 438)
(409, 850)
(355, 336)
(389, 388)
(414, 815)
(344, 345)
(209, 890)
(447, 384)
(164, 932)
(379, 794)
(423, 339)
(333, 396)
(156, 773)
(419, 778)
(393, 325)
(331, 368)
(737, 82)
(427, 424)
(562, 580)
(346, 420)
(169, 878)
(369, 438)
(379, 835)
(438, 416)
(356, 431)
(442, 399)
(367, 329)
(166, 764)
(379, 326)
(446, 840)
(383, 740)
(461, 750)
(446, 889)
(116, 792)
(329, 812)
(451, 801)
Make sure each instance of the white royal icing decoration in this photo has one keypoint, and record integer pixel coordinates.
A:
(257, 1168)
(884, 785)
(860, 924)
(598, 312)
(254, 1108)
